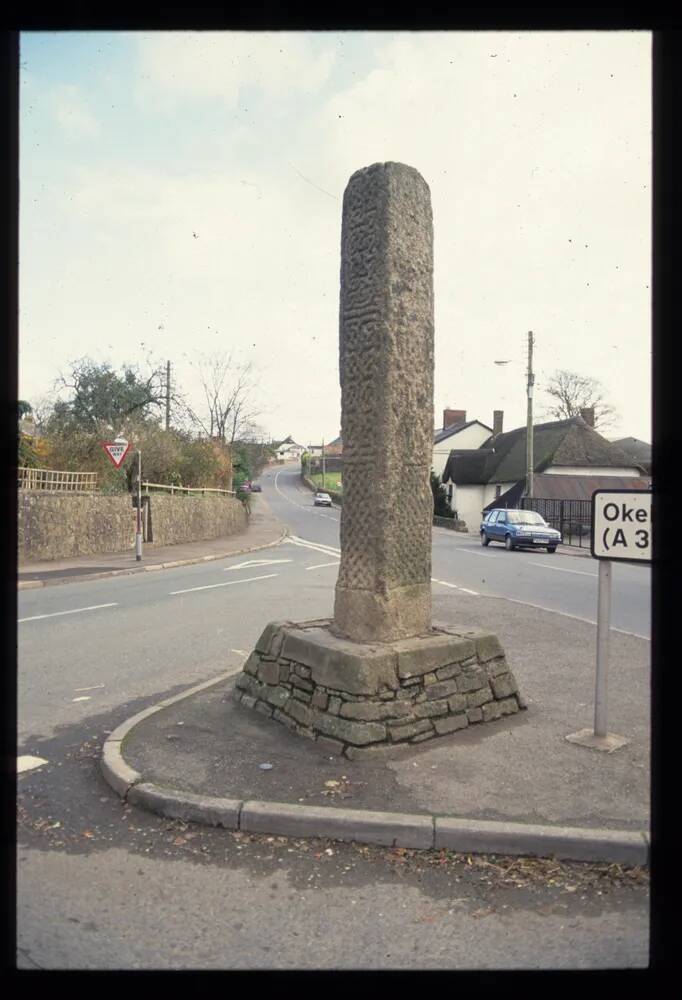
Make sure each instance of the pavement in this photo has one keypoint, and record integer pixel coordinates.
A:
(516, 786)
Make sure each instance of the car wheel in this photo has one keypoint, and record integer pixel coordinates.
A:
(551, 548)
(484, 539)
(508, 544)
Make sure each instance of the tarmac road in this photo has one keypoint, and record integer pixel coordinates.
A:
(536, 578)
(104, 885)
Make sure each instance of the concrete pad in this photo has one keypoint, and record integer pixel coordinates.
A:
(588, 738)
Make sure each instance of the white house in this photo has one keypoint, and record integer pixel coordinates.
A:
(288, 449)
(457, 432)
(571, 449)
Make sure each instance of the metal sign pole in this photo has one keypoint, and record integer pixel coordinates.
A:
(620, 531)
(603, 632)
(138, 534)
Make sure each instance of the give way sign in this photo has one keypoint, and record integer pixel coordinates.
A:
(117, 450)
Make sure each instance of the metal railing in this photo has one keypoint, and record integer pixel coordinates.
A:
(185, 490)
(55, 480)
(573, 518)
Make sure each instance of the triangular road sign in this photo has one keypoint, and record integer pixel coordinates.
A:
(117, 450)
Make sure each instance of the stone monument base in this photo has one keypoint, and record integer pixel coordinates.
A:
(358, 699)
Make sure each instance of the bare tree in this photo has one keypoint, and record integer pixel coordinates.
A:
(228, 388)
(42, 408)
(570, 393)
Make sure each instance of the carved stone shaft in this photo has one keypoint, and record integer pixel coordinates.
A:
(383, 590)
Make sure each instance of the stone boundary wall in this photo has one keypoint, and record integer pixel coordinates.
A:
(61, 526)
(358, 700)
(193, 519)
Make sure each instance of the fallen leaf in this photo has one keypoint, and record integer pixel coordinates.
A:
(88, 833)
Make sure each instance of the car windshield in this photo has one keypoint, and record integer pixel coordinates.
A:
(525, 517)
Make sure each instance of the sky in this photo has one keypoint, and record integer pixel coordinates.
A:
(181, 194)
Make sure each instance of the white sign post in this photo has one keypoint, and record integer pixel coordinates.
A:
(138, 532)
(621, 532)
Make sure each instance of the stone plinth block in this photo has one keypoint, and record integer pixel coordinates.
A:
(383, 591)
(347, 683)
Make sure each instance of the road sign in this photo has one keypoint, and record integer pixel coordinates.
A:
(117, 450)
(621, 531)
(621, 525)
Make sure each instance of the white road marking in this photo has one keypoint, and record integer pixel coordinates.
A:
(474, 552)
(455, 586)
(229, 583)
(94, 687)
(560, 569)
(83, 697)
(27, 763)
(318, 546)
(74, 611)
(322, 565)
(255, 562)
(242, 652)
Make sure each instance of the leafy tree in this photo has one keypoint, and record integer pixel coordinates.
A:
(570, 393)
(441, 505)
(241, 467)
(27, 456)
(101, 396)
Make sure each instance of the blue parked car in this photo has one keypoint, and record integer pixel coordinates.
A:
(518, 529)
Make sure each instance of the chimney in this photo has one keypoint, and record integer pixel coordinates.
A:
(588, 415)
(451, 417)
(498, 416)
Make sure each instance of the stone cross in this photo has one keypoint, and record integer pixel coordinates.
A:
(383, 592)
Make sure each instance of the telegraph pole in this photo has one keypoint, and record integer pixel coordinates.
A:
(168, 366)
(324, 481)
(529, 419)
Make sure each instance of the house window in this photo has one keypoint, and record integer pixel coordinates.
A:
(498, 490)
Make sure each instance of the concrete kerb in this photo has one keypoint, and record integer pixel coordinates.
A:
(116, 771)
(423, 831)
(31, 584)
